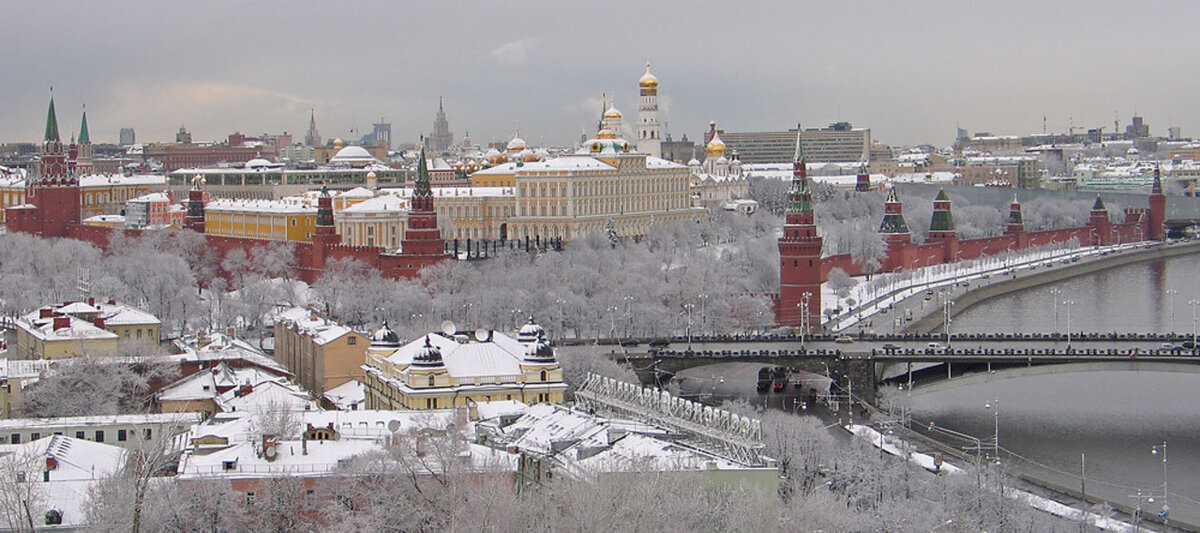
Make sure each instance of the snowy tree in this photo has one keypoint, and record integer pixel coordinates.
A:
(96, 385)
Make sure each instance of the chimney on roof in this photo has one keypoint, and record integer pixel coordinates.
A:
(99, 322)
(61, 322)
(92, 302)
(112, 302)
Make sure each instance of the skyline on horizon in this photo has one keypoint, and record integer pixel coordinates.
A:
(911, 73)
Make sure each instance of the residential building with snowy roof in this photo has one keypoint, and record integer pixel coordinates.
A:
(55, 476)
(441, 370)
(127, 431)
(320, 352)
(224, 388)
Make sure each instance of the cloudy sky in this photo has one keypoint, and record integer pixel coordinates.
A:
(909, 70)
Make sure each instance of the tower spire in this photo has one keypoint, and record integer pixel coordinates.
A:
(83, 129)
(51, 122)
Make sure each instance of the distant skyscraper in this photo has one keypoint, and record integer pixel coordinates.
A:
(128, 137)
(649, 129)
(382, 132)
(312, 138)
(183, 137)
(440, 140)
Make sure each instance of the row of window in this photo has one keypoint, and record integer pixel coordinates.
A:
(123, 435)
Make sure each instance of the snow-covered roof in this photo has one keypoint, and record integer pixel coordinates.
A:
(212, 383)
(43, 329)
(455, 192)
(353, 154)
(322, 330)
(151, 197)
(218, 347)
(268, 396)
(357, 192)
(286, 205)
(386, 203)
(347, 396)
(105, 180)
(77, 465)
(118, 314)
(112, 219)
(658, 162)
(13, 424)
(499, 357)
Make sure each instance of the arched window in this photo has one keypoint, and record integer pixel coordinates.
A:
(543, 375)
(430, 381)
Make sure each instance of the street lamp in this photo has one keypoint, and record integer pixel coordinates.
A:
(1194, 303)
(628, 313)
(804, 318)
(994, 406)
(1166, 510)
(688, 306)
(1068, 303)
(1054, 294)
(946, 303)
(612, 321)
(703, 312)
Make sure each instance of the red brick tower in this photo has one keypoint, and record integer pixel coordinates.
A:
(1158, 210)
(941, 227)
(1016, 224)
(194, 218)
(422, 244)
(1100, 224)
(54, 190)
(800, 258)
(324, 233)
(896, 235)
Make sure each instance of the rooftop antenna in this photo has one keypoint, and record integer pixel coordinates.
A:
(1043, 124)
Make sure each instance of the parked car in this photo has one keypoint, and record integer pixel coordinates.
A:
(659, 343)
(630, 342)
(844, 339)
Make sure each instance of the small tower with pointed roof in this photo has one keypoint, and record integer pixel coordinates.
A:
(1158, 209)
(1098, 220)
(941, 226)
(312, 138)
(895, 232)
(1015, 226)
(83, 159)
(649, 139)
(799, 256)
(194, 218)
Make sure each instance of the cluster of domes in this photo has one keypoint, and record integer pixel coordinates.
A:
(537, 348)
(530, 332)
(385, 338)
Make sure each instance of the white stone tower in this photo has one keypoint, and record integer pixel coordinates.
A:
(649, 128)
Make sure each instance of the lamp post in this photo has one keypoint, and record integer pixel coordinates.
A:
(946, 303)
(628, 313)
(1068, 303)
(688, 306)
(994, 406)
(1194, 303)
(1155, 450)
(703, 313)
(804, 318)
(612, 321)
(562, 319)
(1055, 292)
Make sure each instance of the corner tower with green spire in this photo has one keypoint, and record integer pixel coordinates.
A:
(83, 160)
(799, 303)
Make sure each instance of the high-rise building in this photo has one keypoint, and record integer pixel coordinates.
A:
(128, 137)
(183, 137)
(382, 132)
(838, 143)
(649, 129)
(312, 138)
(440, 140)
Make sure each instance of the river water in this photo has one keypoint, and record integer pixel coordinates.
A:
(1114, 417)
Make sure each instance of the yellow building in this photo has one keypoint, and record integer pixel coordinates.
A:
(377, 221)
(451, 370)
(322, 354)
(290, 219)
(46, 335)
(83, 328)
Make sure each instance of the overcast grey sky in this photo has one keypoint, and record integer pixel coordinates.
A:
(909, 70)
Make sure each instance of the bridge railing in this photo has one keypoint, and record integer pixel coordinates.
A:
(818, 338)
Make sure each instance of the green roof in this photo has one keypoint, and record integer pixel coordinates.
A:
(52, 124)
(421, 188)
(1099, 205)
(942, 197)
(799, 198)
(83, 132)
(941, 221)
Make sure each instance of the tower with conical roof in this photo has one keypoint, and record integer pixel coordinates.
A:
(895, 232)
(83, 159)
(1158, 209)
(941, 226)
(422, 244)
(799, 302)
(53, 191)
(1015, 226)
(649, 139)
(1100, 224)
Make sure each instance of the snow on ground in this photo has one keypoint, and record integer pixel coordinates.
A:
(884, 289)
(895, 446)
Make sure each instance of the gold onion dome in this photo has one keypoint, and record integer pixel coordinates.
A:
(715, 147)
(648, 80)
(612, 113)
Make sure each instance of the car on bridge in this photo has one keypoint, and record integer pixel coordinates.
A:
(659, 343)
(844, 339)
(630, 342)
